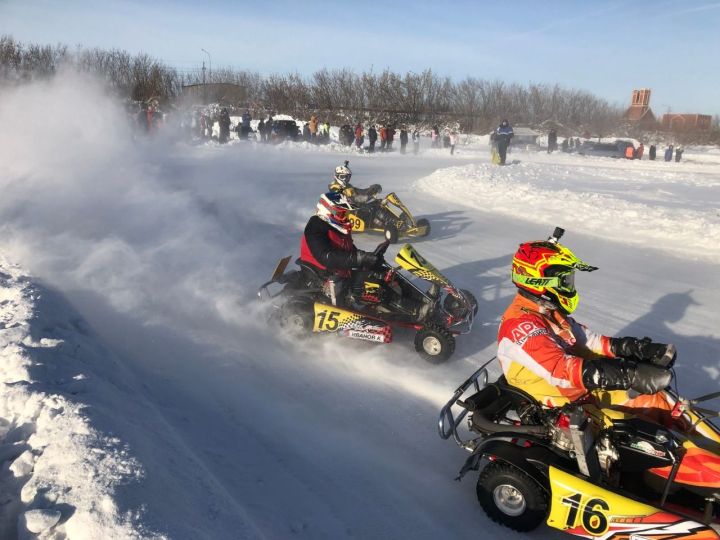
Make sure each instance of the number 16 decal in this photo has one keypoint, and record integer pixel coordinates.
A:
(592, 512)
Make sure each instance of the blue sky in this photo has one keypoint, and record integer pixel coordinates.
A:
(608, 48)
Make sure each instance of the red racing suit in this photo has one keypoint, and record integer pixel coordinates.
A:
(542, 352)
(326, 248)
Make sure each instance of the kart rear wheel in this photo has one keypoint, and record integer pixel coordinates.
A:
(422, 222)
(434, 343)
(510, 497)
(391, 233)
(297, 317)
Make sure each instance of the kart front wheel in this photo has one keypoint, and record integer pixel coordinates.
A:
(511, 497)
(434, 343)
(422, 222)
(391, 233)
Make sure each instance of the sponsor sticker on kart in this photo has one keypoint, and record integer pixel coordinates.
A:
(380, 337)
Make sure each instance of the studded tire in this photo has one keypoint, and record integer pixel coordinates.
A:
(434, 343)
(511, 497)
(297, 317)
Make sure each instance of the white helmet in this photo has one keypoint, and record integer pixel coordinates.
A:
(342, 175)
(333, 207)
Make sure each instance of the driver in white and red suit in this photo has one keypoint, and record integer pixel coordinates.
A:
(557, 360)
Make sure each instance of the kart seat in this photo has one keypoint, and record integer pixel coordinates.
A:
(491, 403)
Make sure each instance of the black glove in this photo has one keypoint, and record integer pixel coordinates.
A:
(645, 350)
(609, 374)
(366, 260)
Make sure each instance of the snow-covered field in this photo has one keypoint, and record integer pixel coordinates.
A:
(142, 394)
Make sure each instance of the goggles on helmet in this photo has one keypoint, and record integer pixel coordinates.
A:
(562, 282)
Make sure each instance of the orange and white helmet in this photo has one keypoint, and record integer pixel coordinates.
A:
(547, 269)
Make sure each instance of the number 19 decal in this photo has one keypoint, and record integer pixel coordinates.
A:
(592, 514)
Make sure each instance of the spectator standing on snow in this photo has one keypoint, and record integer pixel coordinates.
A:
(630, 151)
(503, 134)
(453, 141)
(403, 140)
(261, 130)
(669, 153)
(383, 138)
(390, 136)
(552, 141)
(577, 142)
(652, 153)
(326, 130)
(246, 118)
(224, 124)
(565, 146)
(640, 151)
(372, 137)
(313, 125)
(306, 132)
(416, 141)
(434, 136)
(359, 135)
(678, 154)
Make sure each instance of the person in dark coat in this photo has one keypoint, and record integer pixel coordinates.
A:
(652, 152)
(246, 118)
(261, 130)
(503, 134)
(390, 136)
(403, 140)
(678, 154)
(372, 137)
(565, 146)
(306, 132)
(224, 123)
(552, 141)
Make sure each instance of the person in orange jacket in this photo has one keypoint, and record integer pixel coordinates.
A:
(383, 137)
(557, 360)
(313, 126)
(359, 135)
(630, 151)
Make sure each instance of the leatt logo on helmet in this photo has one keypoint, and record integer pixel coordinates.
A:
(538, 281)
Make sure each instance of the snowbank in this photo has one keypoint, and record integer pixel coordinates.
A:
(59, 474)
(548, 194)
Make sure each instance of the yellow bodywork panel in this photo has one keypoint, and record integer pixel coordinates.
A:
(409, 259)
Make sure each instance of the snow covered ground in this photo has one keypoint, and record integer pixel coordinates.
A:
(143, 395)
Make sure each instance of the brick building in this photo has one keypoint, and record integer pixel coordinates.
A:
(686, 122)
(639, 113)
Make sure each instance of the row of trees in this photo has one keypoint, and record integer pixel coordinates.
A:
(341, 95)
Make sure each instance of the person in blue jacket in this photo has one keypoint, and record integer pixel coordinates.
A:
(669, 153)
(502, 136)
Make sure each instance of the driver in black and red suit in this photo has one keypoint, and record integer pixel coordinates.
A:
(327, 246)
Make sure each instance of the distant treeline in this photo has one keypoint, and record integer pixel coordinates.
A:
(475, 104)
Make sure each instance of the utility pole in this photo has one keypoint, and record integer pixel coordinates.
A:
(204, 87)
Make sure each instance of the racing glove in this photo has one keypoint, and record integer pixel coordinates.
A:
(608, 374)
(367, 260)
(644, 350)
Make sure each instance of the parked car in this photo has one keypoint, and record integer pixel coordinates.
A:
(284, 129)
(613, 150)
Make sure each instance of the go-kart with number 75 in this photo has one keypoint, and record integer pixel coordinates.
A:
(384, 300)
(587, 470)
